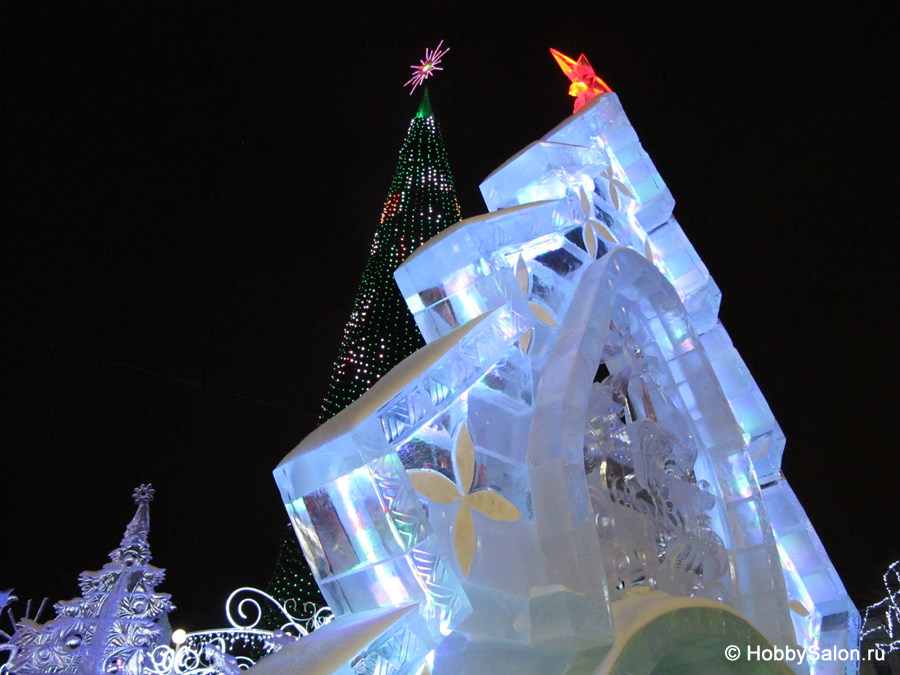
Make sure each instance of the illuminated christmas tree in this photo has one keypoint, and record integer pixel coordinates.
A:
(421, 202)
(381, 331)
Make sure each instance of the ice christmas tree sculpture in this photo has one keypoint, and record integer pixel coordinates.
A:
(381, 332)
(577, 473)
(116, 623)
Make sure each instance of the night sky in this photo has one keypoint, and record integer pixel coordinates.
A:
(189, 197)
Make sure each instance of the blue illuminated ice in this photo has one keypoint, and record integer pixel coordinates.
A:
(579, 428)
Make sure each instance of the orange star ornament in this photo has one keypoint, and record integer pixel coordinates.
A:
(585, 83)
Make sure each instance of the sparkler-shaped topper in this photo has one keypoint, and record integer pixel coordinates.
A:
(427, 66)
(585, 83)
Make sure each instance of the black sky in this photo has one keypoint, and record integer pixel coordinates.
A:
(189, 196)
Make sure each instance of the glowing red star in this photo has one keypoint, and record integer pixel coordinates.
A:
(585, 84)
(427, 66)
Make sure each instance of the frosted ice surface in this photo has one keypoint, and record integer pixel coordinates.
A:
(566, 553)
(470, 267)
(551, 167)
(762, 435)
(602, 123)
(603, 140)
(822, 612)
(360, 523)
(627, 195)
(676, 258)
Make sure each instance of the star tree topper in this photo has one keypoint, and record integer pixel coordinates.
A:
(426, 66)
(585, 83)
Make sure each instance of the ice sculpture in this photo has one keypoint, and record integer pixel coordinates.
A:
(578, 433)
(115, 626)
(822, 613)
(6, 597)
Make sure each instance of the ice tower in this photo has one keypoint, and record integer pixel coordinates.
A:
(577, 473)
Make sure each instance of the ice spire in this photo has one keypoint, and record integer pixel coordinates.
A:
(139, 527)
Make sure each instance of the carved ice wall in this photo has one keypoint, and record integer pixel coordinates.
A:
(579, 425)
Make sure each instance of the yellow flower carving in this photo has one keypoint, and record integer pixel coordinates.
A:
(437, 488)
(591, 228)
(541, 313)
(615, 185)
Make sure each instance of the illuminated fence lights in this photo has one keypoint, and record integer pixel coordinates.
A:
(881, 623)
(229, 651)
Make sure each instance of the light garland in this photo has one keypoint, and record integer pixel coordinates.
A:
(421, 202)
(381, 332)
(209, 652)
(881, 622)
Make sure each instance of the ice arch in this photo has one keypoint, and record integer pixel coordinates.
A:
(624, 288)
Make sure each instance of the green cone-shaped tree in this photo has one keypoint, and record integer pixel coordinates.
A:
(421, 202)
(381, 331)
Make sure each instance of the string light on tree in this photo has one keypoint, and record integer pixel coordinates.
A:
(420, 203)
